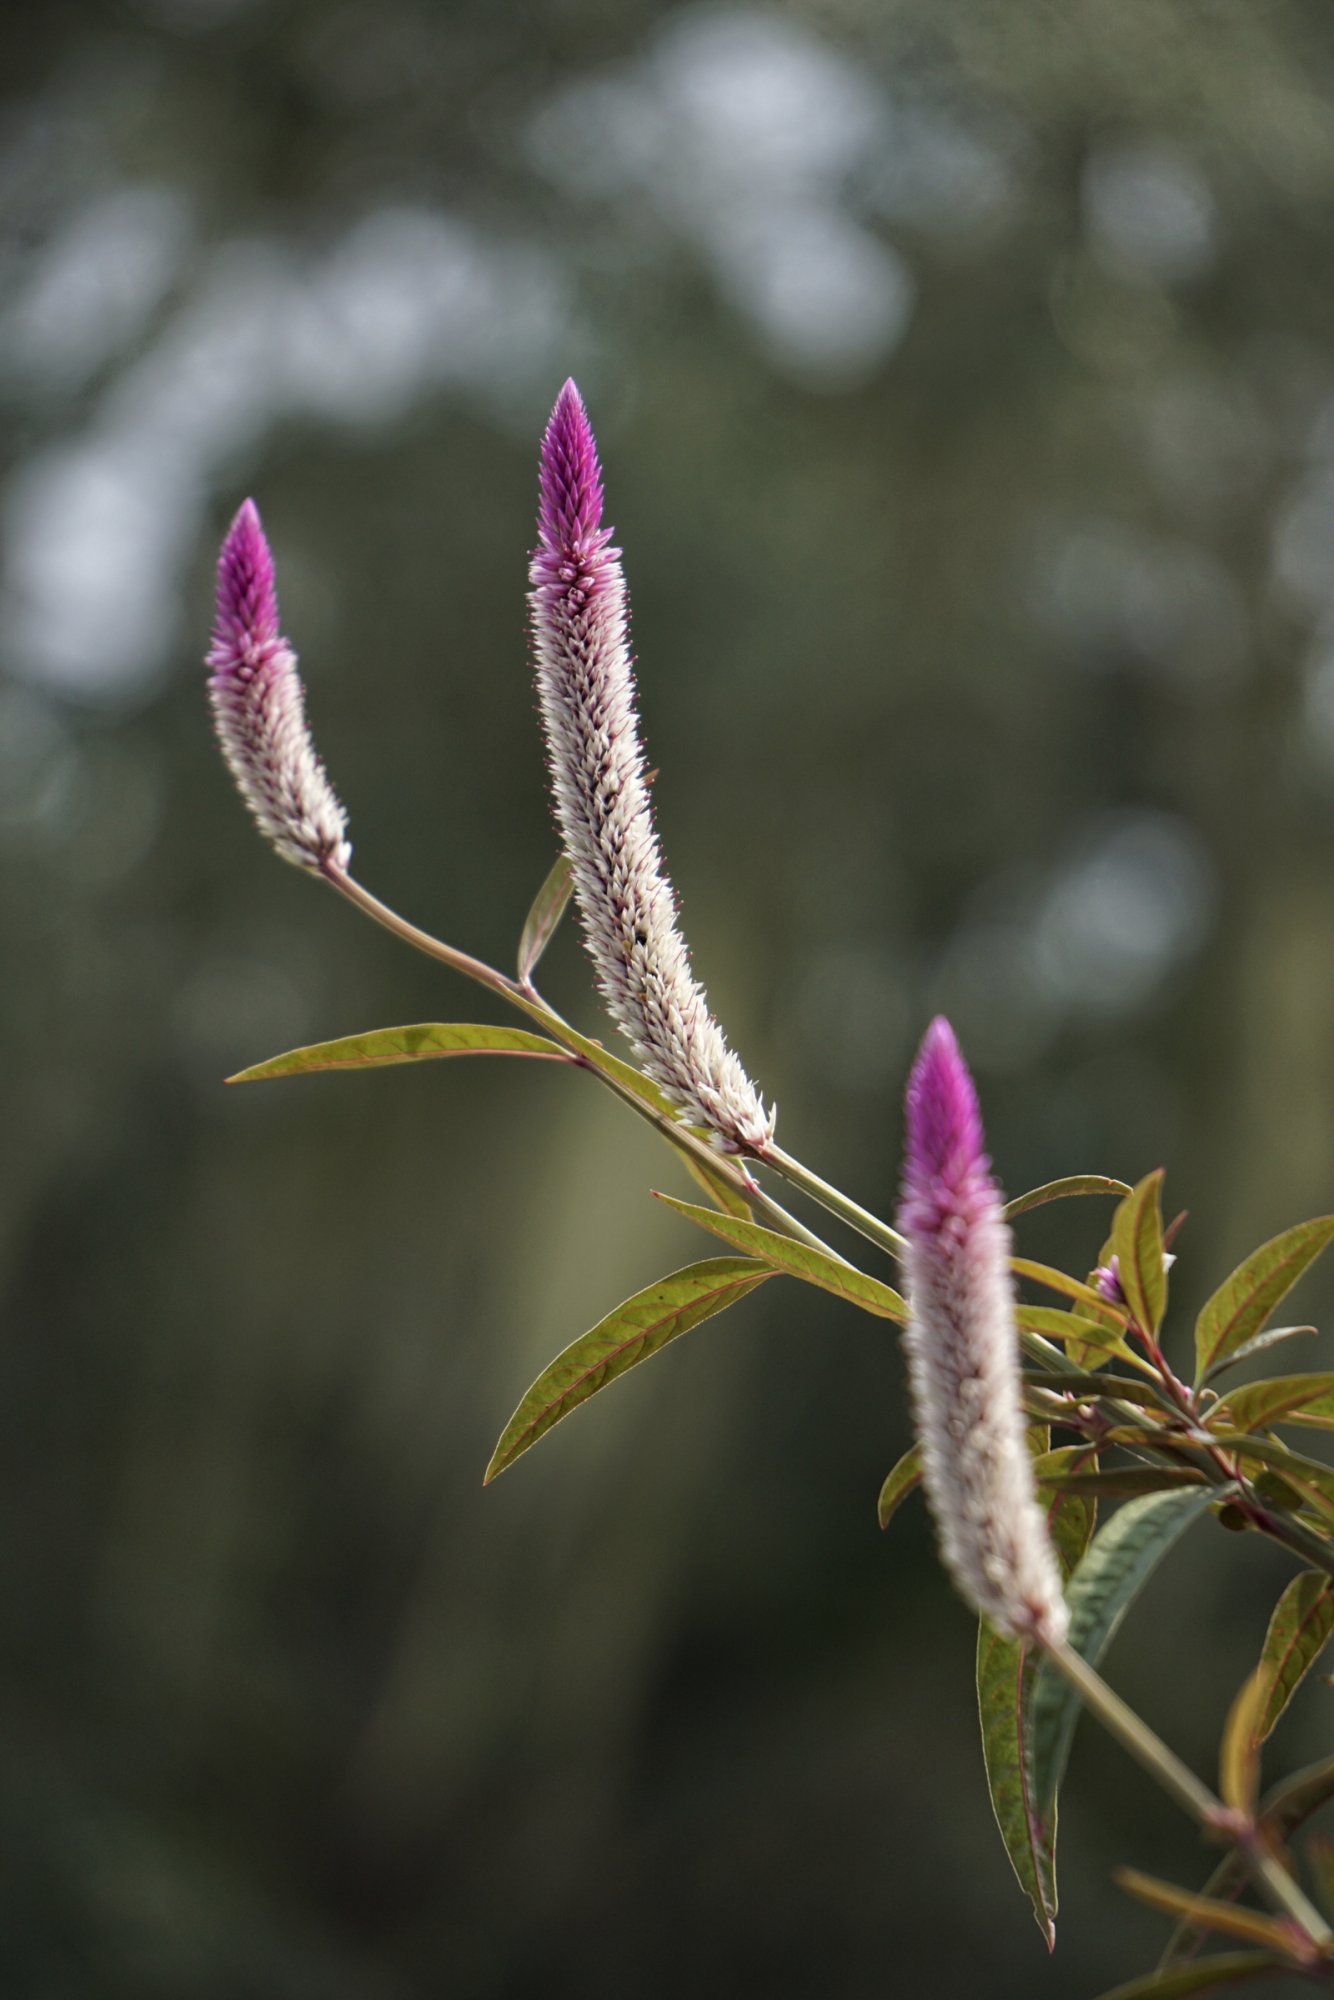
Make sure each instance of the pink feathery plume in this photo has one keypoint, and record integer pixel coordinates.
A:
(963, 1352)
(626, 903)
(259, 708)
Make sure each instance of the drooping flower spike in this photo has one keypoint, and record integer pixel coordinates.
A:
(626, 903)
(259, 708)
(963, 1351)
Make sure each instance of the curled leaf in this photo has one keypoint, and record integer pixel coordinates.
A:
(905, 1478)
(542, 920)
(1070, 1184)
(1239, 1752)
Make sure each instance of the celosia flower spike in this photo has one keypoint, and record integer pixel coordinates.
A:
(259, 708)
(626, 903)
(963, 1356)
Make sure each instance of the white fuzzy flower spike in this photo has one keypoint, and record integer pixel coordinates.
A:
(626, 902)
(259, 708)
(963, 1356)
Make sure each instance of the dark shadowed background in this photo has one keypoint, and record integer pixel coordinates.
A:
(964, 377)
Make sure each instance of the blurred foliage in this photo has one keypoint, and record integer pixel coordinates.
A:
(965, 381)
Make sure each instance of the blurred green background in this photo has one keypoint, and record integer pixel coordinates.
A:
(964, 377)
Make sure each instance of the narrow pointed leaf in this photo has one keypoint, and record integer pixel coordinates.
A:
(1204, 1912)
(1071, 1517)
(1305, 1399)
(1056, 1324)
(785, 1253)
(1239, 1751)
(1005, 1677)
(1250, 1348)
(1128, 1481)
(1120, 1560)
(1079, 1382)
(1298, 1631)
(1240, 1306)
(540, 924)
(1203, 1976)
(641, 1327)
(903, 1480)
(1070, 1184)
(1137, 1241)
(1006, 1672)
(401, 1045)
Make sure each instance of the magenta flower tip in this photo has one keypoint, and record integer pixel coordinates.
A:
(944, 1159)
(259, 707)
(247, 601)
(570, 513)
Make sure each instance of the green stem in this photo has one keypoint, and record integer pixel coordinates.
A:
(858, 1218)
(529, 1002)
(1181, 1784)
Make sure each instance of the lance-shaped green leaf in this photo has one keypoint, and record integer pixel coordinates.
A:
(383, 1046)
(1070, 1184)
(1241, 1305)
(1054, 1324)
(1005, 1677)
(1083, 1383)
(1006, 1672)
(1298, 1631)
(1137, 1242)
(1204, 1912)
(1300, 1399)
(641, 1327)
(540, 924)
(903, 1480)
(1271, 1337)
(799, 1260)
(1203, 1976)
(1132, 1480)
(1121, 1558)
